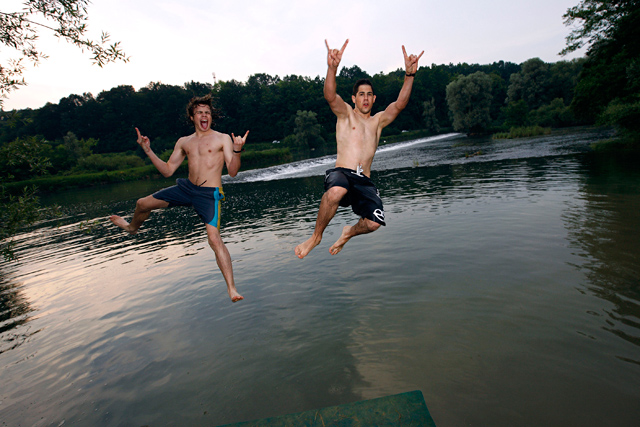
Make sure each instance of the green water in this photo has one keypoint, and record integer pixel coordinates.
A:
(505, 287)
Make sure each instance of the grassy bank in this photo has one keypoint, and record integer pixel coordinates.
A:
(522, 132)
(265, 156)
(624, 147)
(407, 136)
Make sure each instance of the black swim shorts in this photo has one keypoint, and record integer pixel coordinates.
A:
(205, 200)
(362, 195)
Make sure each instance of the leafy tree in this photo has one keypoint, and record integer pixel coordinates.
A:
(68, 20)
(609, 85)
(516, 114)
(530, 84)
(469, 98)
(23, 159)
(19, 159)
(430, 119)
(555, 114)
(74, 149)
(597, 21)
(563, 77)
(308, 133)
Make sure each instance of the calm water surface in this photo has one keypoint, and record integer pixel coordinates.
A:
(506, 287)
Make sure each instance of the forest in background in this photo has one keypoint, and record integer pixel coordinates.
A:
(288, 117)
(83, 140)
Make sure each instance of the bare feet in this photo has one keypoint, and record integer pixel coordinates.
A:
(120, 222)
(303, 249)
(235, 296)
(344, 238)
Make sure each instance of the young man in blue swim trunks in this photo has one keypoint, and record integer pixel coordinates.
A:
(207, 152)
(357, 136)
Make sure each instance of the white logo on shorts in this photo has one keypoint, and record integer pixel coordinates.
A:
(379, 213)
(358, 171)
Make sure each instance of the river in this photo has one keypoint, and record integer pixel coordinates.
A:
(505, 287)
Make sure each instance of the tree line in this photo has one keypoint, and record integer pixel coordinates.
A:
(83, 133)
(86, 132)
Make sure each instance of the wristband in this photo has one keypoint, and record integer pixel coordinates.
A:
(239, 151)
(410, 75)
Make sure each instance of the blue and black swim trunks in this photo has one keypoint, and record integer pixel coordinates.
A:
(205, 200)
(362, 195)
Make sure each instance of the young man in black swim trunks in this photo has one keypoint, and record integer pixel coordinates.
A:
(207, 152)
(357, 136)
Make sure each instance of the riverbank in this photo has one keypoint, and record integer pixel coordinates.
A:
(251, 159)
(54, 183)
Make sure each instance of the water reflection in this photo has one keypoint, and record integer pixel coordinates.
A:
(604, 225)
(469, 294)
(15, 314)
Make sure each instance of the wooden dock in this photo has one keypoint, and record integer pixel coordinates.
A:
(405, 409)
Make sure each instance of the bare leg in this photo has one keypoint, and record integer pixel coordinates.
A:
(144, 207)
(328, 208)
(223, 259)
(363, 226)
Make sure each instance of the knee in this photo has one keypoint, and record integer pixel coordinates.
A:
(214, 241)
(335, 194)
(143, 205)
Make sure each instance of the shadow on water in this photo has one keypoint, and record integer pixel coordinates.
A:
(604, 226)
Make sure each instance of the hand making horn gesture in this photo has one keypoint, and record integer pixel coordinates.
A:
(334, 56)
(411, 62)
(239, 141)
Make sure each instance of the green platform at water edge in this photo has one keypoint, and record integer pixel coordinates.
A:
(405, 409)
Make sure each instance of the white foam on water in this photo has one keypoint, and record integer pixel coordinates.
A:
(317, 167)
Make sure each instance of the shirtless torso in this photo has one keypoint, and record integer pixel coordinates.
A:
(357, 137)
(206, 154)
(207, 151)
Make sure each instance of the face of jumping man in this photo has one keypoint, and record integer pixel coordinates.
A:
(202, 117)
(364, 99)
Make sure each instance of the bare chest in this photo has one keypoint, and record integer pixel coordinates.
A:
(208, 148)
(361, 134)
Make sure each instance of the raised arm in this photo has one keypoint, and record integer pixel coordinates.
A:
(166, 168)
(232, 152)
(411, 67)
(334, 56)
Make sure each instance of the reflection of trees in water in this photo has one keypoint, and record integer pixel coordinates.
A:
(15, 313)
(431, 184)
(605, 224)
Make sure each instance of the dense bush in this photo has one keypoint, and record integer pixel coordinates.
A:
(108, 162)
(522, 132)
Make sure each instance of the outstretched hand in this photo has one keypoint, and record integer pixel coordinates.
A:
(411, 61)
(334, 56)
(144, 141)
(239, 141)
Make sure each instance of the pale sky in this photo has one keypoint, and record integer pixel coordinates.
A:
(174, 42)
